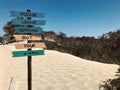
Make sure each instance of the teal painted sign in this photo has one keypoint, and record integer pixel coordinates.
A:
(27, 53)
(36, 30)
(26, 14)
(29, 22)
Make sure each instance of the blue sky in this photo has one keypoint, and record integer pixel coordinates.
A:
(73, 17)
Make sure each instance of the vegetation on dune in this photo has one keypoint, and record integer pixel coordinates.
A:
(105, 49)
(1, 40)
(111, 84)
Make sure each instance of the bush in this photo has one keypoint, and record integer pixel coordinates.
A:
(111, 84)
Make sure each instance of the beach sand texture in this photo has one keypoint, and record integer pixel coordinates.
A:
(53, 71)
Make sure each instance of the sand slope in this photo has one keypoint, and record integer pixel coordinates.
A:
(53, 71)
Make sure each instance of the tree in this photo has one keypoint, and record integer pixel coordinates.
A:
(49, 36)
(61, 34)
(8, 29)
(1, 39)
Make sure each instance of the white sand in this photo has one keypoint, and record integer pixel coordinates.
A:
(53, 71)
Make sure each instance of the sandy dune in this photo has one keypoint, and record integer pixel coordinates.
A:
(53, 71)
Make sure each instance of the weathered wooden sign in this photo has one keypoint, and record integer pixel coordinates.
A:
(26, 14)
(30, 45)
(27, 53)
(28, 22)
(27, 37)
(36, 30)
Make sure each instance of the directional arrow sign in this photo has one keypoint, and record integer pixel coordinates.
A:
(28, 30)
(28, 22)
(27, 53)
(27, 37)
(30, 45)
(26, 14)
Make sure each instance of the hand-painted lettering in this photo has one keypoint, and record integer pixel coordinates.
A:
(26, 37)
(29, 45)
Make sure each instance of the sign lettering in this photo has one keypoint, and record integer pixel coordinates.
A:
(29, 45)
(26, 37)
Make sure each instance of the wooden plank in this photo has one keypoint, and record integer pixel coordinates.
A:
(30, 45)
(36, 30)
(12, 83)
(27, 14)
(27, 53)
(27, 37)
(28, 22)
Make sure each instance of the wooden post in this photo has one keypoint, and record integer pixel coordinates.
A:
(29, 72)
(29, 65)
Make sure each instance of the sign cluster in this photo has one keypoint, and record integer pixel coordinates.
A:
(27, 30)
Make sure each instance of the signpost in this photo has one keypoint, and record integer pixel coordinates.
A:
(28, 22)
(30, 29)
